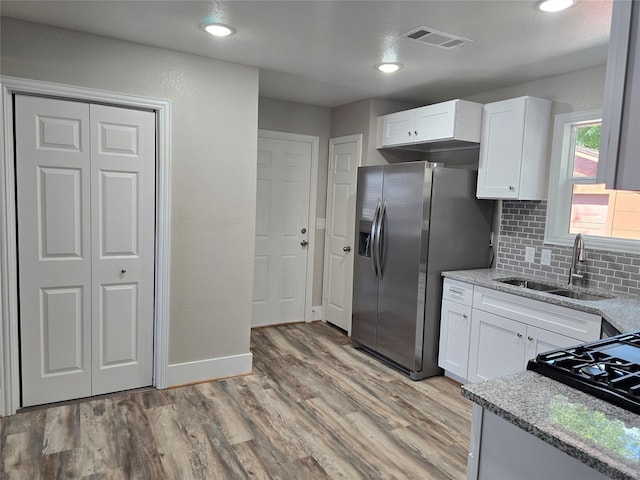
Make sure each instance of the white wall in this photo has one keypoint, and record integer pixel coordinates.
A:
(214, 138)
(291, 117)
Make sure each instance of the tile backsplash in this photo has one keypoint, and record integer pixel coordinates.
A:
(522, 225)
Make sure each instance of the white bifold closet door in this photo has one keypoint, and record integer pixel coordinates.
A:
(86, 218)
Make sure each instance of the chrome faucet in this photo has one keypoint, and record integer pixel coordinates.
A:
(577, 272)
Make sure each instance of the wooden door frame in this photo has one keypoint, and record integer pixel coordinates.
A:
(325, 273)
(313, 193)
(9, 319)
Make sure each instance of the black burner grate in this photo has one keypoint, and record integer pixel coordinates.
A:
(608, 369)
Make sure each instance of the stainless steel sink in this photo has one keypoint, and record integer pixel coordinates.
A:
(553, 289)
(531, 285)
(580, 295)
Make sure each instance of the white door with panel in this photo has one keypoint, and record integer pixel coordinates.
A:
(86, 209)
(344, 158)
(282, 231)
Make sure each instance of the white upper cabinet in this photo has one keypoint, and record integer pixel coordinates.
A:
(398, 128)
(455, 120)
(619, 164)
(513, 149)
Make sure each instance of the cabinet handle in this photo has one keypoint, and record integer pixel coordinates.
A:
(457, 292)
(464, 315)
(519, 335)
(415, 132)
(530, 338)
(409, 133)
(512, 188)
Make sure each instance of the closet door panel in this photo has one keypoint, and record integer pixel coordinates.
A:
(54, 249)
(123, 213)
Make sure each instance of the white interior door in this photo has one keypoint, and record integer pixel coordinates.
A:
(123, 213)
(344, 158)
(85, 196)
(54, 248)
(282, 231)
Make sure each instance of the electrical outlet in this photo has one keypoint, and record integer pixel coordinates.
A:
(545, 256)
(529, 254)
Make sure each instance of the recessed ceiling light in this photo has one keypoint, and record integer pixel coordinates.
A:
(555, 5)
(219, 29)
(388, 67)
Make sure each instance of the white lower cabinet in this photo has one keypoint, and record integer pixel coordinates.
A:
(501, 346)
(455, 332)
(540, 341)
(485, 333)
(455, 328)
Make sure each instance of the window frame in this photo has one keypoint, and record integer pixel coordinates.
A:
(560, 190)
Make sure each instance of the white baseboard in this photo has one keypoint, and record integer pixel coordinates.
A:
(316, 313)
(209, 369)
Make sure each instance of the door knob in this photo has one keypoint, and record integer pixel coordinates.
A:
(346, 249)
(304, 243)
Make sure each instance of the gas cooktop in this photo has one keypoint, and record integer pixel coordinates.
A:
(608, 369)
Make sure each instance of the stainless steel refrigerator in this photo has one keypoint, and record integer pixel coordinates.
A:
(413, 221)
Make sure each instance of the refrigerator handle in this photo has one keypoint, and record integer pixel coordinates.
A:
(377, 252)
(374, 243)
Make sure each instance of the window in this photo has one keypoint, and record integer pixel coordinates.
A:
(577, 204)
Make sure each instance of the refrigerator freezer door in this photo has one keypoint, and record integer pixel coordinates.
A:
(365, 281)
(404, 234)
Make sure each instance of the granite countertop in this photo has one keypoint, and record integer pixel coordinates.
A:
(599, 434)
(596, 432)
(621, 311)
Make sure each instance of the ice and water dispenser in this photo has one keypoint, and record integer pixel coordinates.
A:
(364, 238)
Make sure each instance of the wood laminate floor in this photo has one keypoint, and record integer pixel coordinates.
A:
(314, 408)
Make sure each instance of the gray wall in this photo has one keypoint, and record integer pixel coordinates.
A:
(213, 147)
(570, 92)
(361, 117)
(303, 119)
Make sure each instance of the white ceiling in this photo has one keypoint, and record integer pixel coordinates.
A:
(323, 52)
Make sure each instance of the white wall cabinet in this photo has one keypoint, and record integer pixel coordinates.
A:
(455, 327)
(513, 149)
(453, 120)
(619, 164)
(486, 333)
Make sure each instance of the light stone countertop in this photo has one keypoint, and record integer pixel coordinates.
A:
(622, 311)
(599, 434)
(596, 432)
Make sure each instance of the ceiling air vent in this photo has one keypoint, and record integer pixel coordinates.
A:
(435, 38)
